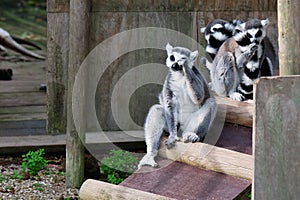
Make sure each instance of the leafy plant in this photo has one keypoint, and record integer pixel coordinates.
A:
(250, 195)
(118, 165)
(38, 186)
(2, 178)
(33, 162)
(16, 175)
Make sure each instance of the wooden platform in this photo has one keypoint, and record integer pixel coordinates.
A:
(22, 104)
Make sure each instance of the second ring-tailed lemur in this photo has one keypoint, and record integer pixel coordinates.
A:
(186, 105)
(261, 63)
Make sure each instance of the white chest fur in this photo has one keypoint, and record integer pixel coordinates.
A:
(186, 106)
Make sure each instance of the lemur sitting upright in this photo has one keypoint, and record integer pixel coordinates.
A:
(245, 36)
(186, 104)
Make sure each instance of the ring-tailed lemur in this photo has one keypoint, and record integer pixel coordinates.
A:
(216, 32)
(260, 64)
(186, 104)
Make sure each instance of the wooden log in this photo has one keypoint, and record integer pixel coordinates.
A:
(211, 157)
(276, 138)
(289, 36)
(78, 43)
(237, 112)
(96, 190)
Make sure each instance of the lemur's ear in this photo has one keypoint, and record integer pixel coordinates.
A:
(265, 22)
(240, 27)
(194, 55)
(169, 48)
(202, 30)
(215, 27)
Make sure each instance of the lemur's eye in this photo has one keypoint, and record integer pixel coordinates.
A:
(172, 58)
(249, 35)
(183, 58)
(258, 34)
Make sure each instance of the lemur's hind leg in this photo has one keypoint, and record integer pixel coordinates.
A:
(199, 122)
(154, 127)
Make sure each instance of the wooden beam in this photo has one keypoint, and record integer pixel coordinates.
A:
(96, 190)
(237, 112)
(289, 36)
(211, 157)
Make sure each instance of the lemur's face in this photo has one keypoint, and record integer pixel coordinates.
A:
(177, 56)
(253, 30)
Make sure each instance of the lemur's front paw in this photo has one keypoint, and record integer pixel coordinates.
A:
(147, 160)
(253, 47)
(237, 96)
(170, 142)
(190, 137)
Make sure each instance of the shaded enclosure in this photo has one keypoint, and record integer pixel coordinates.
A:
(107, 18)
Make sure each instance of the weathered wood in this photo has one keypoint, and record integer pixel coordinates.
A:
(22, 117)
(237, 112)
(78, 50)
(96, 190)
(22, 109)
(182, 181)
(211, 157)
(22, 99)
(289, 36)
(277, 141)
(57, 71)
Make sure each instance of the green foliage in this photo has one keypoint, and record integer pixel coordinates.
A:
(250, 196)
(16, 175)
(2, 178)
(38, 186)
(33, 162)
(118, 165)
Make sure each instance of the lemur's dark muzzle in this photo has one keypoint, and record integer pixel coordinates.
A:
(176, 67)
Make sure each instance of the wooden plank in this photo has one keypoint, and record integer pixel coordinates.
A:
(22, 109)
(22, 99)
(20, 86)
(237, 112)
(22, 117)
(92, 189)
(182, 181)
(50, 140)
(211, 157)
(277, 141)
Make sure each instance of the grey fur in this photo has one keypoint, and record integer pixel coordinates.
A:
(186, 104)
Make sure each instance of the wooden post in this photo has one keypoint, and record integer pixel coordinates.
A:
(289, 36)
(277, 139)
(78, 44)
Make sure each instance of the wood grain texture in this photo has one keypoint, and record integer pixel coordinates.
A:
(96, 190)
(211, 158)
(57, 71)
(289, 36)
(237, 112)
(78, 50)
(276, 138)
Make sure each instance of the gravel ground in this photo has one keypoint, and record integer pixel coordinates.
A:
(48, 184)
